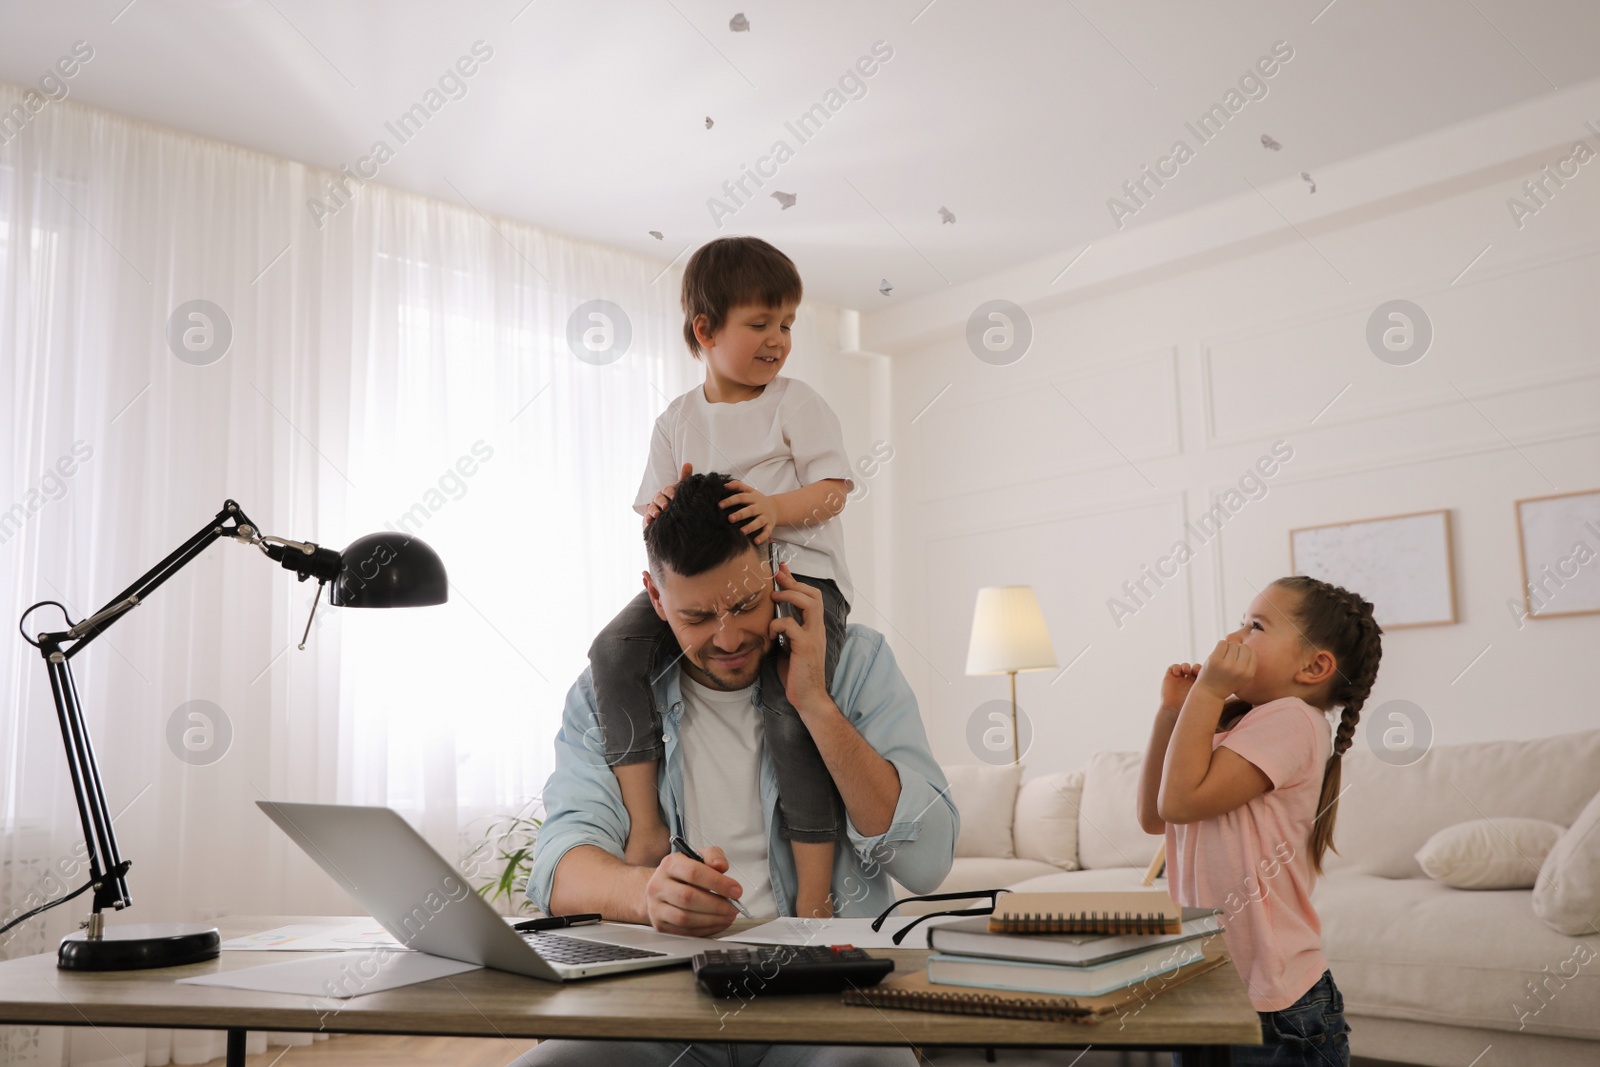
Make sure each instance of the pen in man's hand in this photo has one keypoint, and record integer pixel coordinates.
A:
(683, 846)
(555, 922)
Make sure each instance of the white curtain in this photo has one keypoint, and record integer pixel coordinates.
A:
(405, 363)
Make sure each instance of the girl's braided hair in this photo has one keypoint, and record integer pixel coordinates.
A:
(1338, 621)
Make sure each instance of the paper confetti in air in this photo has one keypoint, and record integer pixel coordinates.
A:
(1268, 142)
(785, 199)
(1308, 180)
(657, 235)
(884, 287)
(739, 24)
(945, 216)
(709, 123)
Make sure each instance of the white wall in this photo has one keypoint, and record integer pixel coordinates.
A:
(1146, 394)
(856, 386)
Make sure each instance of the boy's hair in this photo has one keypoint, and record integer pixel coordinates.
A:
(692, 533)
(730, 271)
(1339, 621)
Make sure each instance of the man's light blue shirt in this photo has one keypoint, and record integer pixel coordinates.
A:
(583, 802)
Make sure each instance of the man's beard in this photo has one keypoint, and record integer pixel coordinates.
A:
(729, 682)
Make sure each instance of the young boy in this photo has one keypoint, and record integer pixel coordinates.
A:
(783, 443)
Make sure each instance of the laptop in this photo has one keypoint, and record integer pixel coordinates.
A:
(426, 904)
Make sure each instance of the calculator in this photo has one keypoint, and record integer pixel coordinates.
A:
(748, 972)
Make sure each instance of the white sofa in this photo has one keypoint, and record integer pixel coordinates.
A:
(1430, 974)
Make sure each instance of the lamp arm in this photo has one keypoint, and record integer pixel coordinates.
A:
(231, 521)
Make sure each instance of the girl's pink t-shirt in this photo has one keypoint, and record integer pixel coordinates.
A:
(1254, 862)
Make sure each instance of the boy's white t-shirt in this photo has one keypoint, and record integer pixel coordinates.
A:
(721, 734)
(784, 439)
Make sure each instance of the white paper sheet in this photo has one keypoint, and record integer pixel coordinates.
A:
(338, 976)
(857, 932)
(345, 934)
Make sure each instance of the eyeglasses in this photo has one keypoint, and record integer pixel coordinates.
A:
(899, 935)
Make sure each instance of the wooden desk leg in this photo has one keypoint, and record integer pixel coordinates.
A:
(236, 1048)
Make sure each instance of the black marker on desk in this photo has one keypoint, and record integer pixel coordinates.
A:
(555, 922)
(683, 846)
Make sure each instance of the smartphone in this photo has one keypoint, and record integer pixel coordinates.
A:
(783, 611)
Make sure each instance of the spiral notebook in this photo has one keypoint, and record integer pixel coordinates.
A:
(1135, 911)
(914, 992)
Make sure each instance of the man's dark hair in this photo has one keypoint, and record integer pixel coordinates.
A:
(730, 271)
(692, 534)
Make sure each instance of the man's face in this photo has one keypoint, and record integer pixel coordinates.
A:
(721, 618)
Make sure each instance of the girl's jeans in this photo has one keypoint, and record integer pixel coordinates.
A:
(1311, 1031)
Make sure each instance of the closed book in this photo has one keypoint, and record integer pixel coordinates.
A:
(971, 937)
(1129, 911)
(1091, 981)
(913, 992)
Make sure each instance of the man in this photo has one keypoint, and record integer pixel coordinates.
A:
(718, 789)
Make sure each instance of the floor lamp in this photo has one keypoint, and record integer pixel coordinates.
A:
(381, 570)
(1009, 635)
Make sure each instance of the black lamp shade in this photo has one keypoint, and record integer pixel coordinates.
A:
(390, 570)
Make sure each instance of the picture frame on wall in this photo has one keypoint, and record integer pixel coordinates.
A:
(1404, 564)
(1558, 546)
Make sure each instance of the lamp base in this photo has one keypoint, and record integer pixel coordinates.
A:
(138, 946)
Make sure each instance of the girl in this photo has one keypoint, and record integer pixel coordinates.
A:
(1240, 778)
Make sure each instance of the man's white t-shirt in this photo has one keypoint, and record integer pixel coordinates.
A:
(784, 439)
(720, 735)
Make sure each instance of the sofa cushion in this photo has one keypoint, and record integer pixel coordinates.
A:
(986, 797)
(1109, 834)
(1489, 853)
(1412, 948)
(1567, 895)
(1549, 778)
(1046, 823)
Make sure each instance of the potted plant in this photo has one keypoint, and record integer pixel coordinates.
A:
(502, 855)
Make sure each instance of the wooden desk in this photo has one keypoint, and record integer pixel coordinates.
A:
(1199, 1018)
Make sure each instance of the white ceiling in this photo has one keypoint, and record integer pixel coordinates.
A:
(1021, 118)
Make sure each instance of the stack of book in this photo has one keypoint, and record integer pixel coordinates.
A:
(1074, 956)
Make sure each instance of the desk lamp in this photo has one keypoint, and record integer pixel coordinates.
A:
(379, 570)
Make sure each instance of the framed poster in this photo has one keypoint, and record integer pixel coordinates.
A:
(1558, 538)
(1402, 563)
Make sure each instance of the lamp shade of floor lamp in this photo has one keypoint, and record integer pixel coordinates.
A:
(1009, 635)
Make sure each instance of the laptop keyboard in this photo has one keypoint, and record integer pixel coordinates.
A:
(560, 949)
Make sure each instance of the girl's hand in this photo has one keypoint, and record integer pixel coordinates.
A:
(1229, 666)
(656, 506)
(1176, 683)
(758, 509)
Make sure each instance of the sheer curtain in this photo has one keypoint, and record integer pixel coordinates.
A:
(405, 365)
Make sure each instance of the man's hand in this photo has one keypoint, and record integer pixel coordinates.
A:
(685, 897)
(758, 508)
(1229, 666)
(664, 497)
(803, 671)
(1176, 683)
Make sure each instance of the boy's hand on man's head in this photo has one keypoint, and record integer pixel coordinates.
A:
(757, 507)
(663, 498)
(1229, 666)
